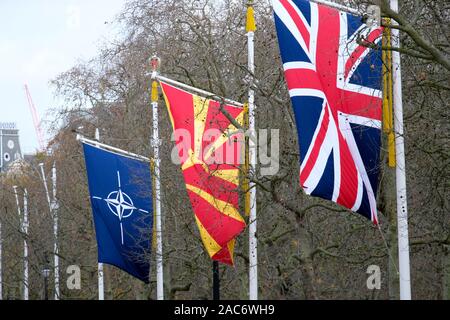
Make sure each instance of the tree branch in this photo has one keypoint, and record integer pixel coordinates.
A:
(412, 32)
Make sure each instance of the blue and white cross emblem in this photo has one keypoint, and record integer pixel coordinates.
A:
(120, 204)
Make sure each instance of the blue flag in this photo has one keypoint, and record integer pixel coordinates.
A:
(121, 197)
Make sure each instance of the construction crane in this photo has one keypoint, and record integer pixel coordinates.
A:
(36, 121)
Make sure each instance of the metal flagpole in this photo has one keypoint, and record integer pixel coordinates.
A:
(253, 258)
(25, 244)
(155, 144)
(402, 212)
(101, 283)
(55, 208)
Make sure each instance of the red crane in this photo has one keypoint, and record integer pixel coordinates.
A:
(36, 121)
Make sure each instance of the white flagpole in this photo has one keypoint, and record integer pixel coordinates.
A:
(44, 180)
(19, 212)
(52, 205)
(253, 250)
(101, 288)
(55, 208)
(25, 244)
(156, 143)
(402, 211)
(101, 283)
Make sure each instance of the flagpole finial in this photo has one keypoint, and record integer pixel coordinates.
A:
(155, 62)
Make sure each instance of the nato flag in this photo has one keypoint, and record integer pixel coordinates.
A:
(121, 197)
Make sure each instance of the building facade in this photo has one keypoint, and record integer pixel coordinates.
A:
(9, 144)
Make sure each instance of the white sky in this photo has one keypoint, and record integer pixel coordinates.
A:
(40, 39)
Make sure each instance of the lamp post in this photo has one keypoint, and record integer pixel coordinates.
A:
(46, 274)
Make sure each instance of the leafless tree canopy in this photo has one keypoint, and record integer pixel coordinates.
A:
(307, 248)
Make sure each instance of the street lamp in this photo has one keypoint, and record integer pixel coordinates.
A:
(46, 274)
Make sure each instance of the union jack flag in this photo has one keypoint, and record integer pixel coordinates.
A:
(334, 82)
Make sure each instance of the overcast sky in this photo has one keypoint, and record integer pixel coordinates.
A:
(40, 39)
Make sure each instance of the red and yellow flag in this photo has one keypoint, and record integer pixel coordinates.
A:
(209, 147)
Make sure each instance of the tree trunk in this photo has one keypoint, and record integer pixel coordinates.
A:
(306, 264)
(388, 203)
(141, 291)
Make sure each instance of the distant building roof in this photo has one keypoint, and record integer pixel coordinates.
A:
(8, 126)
